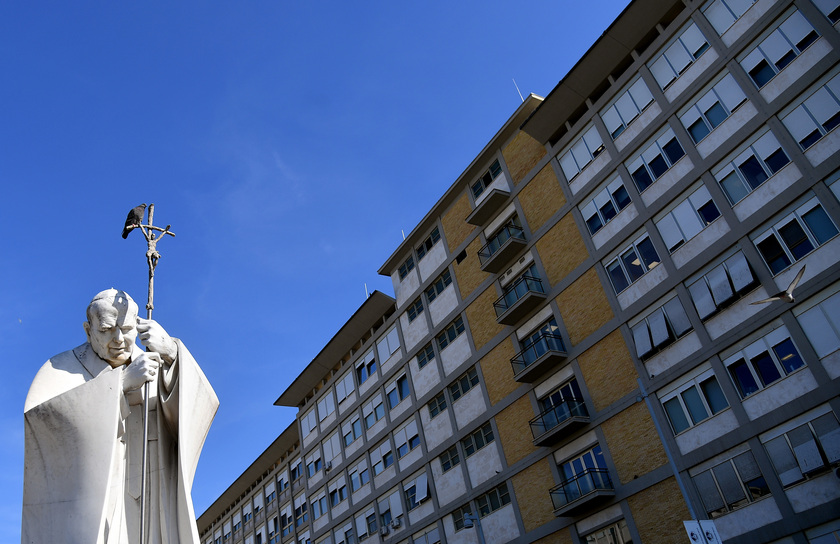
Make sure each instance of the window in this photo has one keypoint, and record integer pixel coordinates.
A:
(406, 267)
(677, 57)
(449, 458)
(416, 491)
(407, 438)
(351, 430)
(270, 496)
(426, 354)
(713, 108)
(385, 517)
(338, 494)
(398, 392)
(795, 236)
(314, 464)
(437, 405)
(655, 160)
(359, 476)
(246, 514)
(477, 439)
(580, 153)
(752, 167)
(805, 450)
(273, 528)
(438, 286)
(544, 339)
(580, 476)
(301, 514)
(458, 516)
(830, 8)
(370, 522)
(527, 282)
(821, 324)
(382, 457)
(731, 484)
(694, 402)
(415, 309)
(464, 383)
(388, 344)
(428, 244)
(764, 362)
(723, 13)
(319, 507)
(617, 533)
(605, 205)
(366, 367)
(558, 406)
(722, 285)
(660, 328)
(450, 333)
(816, 116)
(687, 219)
(332, 447)
(633, 263)
(493, 500)
(326, 406)
(629, 105)
(308, 422)
(486, 179)
(296, 470)
(779, 49)
(511, 229)
(344, 387)
(373, 411)
(286, 520)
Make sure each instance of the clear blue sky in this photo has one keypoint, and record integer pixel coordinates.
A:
(288, 144)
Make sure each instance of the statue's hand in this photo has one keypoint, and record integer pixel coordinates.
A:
(141, 370)
(156, 340)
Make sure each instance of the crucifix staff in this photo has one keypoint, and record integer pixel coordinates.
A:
(153, 235)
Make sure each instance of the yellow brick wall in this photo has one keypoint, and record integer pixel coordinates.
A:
(522, 154)
(659, 512)
(584, 306)
(497, 372)
(563, 536)
(633, 442)
(561, 249)
(468, 272)
(482, 318)
(514, 432)
(541, 198)
(455, 227)
(608, 370)
(531, 488)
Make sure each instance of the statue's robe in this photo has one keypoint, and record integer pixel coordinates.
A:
(84, 451)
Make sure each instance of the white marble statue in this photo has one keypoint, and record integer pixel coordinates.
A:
(84, 434)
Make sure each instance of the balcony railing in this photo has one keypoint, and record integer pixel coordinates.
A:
(520, 297)
(506, 243)
(546, 427)
(533, 361)
(577, 493)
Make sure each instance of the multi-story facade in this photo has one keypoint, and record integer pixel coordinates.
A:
(575, 353)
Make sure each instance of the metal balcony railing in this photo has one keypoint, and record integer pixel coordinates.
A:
(587, 483)
(557, 415)
(499, 240)
(517, 291)
(547, 342)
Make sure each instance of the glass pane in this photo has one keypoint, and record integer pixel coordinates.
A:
(642, 178)
(743, 378)
(694, 405)
(765, 368)
(632, 264)
(679, 422)
(773, 254)
(714, 395)
(788, 356)
(698, 130)
(622, 199)
(776, 160)
(658, 166)
(708, 212)
(619, 280)
(820, 225)
(648, 253)
(762, 73)
(730, 485)
(795, 239)
(753, 172)
(676, 316)
(716, 114)
(733, 187)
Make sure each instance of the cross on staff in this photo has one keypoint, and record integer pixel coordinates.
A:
(153, 235)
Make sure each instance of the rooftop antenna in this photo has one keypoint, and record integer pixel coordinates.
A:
(367, 295)
(517, 90)
(403, 233)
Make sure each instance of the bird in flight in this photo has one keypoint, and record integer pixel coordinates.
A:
(787, 294)
(134, 219)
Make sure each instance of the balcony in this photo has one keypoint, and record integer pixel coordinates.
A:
(502, 247)
(488, 207)
(549, 426)
(542, 355)
(521, 296)
(588, 487)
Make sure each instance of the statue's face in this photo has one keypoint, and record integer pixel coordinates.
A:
(112, 330)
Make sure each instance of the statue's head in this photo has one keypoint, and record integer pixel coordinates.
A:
(111, 326)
